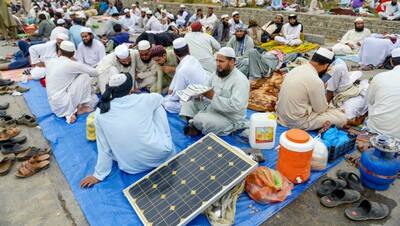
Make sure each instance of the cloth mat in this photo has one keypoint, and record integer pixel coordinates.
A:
(303, 48)
(105, 204)
(15, 75)
(352, 58)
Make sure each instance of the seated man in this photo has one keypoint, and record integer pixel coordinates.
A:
(235, 22)
(131, 129)
(301, 102)
(68, 84)
(221, 31)
(153, 24)
(44, 30)
(42, 52)
(60, 28)
(344, 93)
(90, 51)
(351, 41)
(163, 38)
(19, 59)
(383, 98)
(241, 43)
(391, 10)
(146, 73)
(122, 60)
(272, 28)
(291, 32)
(189, 71)
(166, 63)
(222, 110)
(120, 36)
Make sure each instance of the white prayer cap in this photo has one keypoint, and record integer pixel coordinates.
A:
(86, 30)
(396, 53)
(224, 16)
(117, 80)
(179, 43)
(182, 6)
(163, 11)
(62, 36)
(323, 55)
(80, 15)
(227, 52)
(354, 76)
(38, 73)
(122, 51)
(126, 10)
(358, 19)
(60, 21)
(144, 45)
(149, 12)
(67, 46)
(170, 16)
(59, 10)
(35, 7)
(133, 5)
(235, 13)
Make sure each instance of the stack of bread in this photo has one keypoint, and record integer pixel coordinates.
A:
(264, 93)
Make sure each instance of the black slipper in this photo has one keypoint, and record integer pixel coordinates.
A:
(14, 140)
(328, 185)
(367, 210)
(340, 197)
(352, 179)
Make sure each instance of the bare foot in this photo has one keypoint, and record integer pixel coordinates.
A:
(83, 109)
(72, 119)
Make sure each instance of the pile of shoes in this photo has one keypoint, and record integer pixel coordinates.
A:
(347, 189)
(7, 87)
(14, 148)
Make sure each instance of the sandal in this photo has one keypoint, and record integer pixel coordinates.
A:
(4, 106)
(340, 197)
(36, 159)
(6, 163)
(352, 179)
(7, 121)
(328, 185)
(21, 89)
(14, 140)
(13, 148)
(29, 169)
(28, 153)
(27, 120)
(367, 210)
(9, 133)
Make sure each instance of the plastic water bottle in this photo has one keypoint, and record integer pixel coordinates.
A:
(262, 130)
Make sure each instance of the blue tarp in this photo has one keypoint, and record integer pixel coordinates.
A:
(105, 204)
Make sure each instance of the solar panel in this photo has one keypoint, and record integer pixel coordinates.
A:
(183, 187)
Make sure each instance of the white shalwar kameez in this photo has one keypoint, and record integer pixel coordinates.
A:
(341, 81)
(129, 23)
(181, 19)
(110, 65)
(68, 84)
(226, 112)
(43, 52)
(154, 25)
(375, 50)
(90, 55)
(201, 46)
(57, 30)
(209, 21)
(146, 72)
(291, 35)
(390, 12)
(188, 71)
(352, 37)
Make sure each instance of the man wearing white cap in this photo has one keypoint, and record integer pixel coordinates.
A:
(344, 93)
(129, 21)
(182, 16)
(153, 24)
(241, 42)
(351, 41)
(189, 71)
(68, 84)
(135, 11)
(131, 129)
(302, 102)
(90, 51)
(383, 100)
(210, 19)
(291, 32)
(235, 22)
(122, 60)
(60, 28)
(201, 46)
(391, 10)
(146, 72)
(40, 53)
(221, 31)
(223, 108)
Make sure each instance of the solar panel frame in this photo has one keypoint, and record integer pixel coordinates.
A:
(215, 197)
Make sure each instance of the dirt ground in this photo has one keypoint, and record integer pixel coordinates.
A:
(46, 199)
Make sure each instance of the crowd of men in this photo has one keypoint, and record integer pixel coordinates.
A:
(132, 84)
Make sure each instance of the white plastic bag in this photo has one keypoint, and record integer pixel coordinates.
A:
(319, 159)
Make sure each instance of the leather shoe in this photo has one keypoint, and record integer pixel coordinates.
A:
(6, 82)
(4, 106)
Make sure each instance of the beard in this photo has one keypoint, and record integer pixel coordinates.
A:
(321, 73)
(359, 29)
(126, 65)
(223, 73)
(394, 3)
(146, 61)
(239, 39)
(128, 16)
(88, 43)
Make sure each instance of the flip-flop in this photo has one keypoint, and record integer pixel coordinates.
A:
(352, 179)
(27, 170)
(367, 210)
(6, 164)
(340, 197)
(328, 185)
